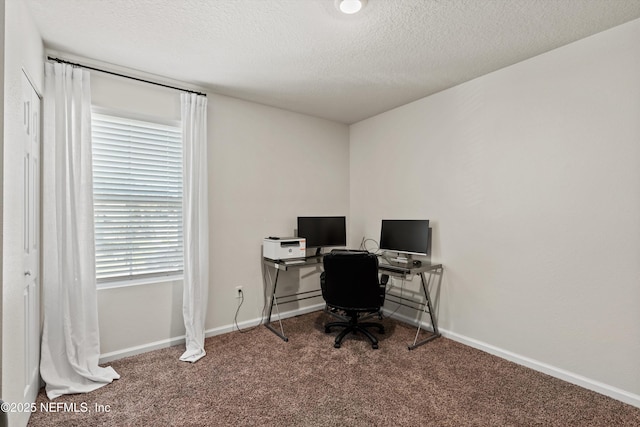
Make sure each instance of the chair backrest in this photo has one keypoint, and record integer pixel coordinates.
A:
(351, 281)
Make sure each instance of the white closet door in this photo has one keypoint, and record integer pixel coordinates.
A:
(31, 238)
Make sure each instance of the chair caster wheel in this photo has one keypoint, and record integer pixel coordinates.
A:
(381, 330)
(327, 330)
(336, 345)
(374, 346)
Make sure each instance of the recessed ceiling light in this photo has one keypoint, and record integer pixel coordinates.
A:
(350, 6)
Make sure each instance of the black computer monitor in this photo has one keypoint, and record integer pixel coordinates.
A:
(405, 236)
(323, 231)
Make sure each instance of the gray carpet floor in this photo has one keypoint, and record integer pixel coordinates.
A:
(256, 379)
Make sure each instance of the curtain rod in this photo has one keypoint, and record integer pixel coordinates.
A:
(51, 58)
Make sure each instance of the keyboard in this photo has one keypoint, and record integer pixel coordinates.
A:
(294, 261)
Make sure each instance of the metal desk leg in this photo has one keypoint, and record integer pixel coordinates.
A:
(274, 299)
(434, 323)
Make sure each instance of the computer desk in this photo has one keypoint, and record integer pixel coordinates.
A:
(406, 271)
(403, 271)
(286, 265)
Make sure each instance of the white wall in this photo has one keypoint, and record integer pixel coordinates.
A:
(22, 49)
(531, 178)
(2, 8)
(266, 167)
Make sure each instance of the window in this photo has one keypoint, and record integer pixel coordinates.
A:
(137, 190)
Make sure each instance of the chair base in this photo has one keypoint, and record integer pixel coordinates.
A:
(353, 326)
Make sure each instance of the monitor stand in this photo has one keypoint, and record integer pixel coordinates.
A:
(317, 254)
(402, 259)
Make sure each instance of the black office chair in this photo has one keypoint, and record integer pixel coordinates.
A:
(350, 283)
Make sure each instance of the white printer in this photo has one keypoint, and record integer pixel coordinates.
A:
(277, 248)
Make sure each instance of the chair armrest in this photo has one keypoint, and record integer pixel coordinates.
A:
(323, 281)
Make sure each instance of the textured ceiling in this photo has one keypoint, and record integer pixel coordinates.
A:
(304, 56)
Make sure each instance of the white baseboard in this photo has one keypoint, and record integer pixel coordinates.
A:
(573, 378)
(139, 349)
(570, 377)
(156, 345)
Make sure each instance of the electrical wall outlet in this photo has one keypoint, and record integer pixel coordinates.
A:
(238, 292)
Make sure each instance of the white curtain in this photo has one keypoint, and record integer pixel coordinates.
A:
(195, 223)
(70, 338)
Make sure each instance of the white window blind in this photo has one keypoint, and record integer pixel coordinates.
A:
(137, 188)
